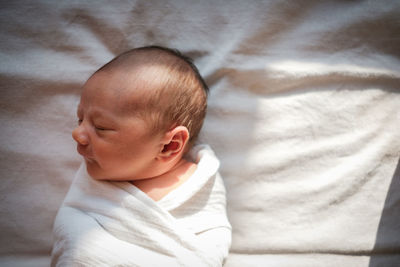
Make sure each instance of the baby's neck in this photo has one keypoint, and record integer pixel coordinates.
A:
(157, 187)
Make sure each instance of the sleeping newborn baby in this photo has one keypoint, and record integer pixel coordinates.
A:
(145, 194)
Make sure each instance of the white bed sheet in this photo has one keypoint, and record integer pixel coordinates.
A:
(304, 114)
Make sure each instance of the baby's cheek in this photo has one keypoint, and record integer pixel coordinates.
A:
(101, 153)
(119, 154)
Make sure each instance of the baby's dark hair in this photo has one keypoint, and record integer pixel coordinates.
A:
(181, 94)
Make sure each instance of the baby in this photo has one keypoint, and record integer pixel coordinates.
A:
(139, 116)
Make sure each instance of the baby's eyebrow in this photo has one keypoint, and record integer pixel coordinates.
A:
(94, 114)
(101, 115)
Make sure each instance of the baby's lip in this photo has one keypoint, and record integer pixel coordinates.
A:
(82, 152)
(90, 160)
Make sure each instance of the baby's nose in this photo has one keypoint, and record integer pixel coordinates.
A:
(80, 135)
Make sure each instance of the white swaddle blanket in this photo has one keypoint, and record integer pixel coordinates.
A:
(103, 223)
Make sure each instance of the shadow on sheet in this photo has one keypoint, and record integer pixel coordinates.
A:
(387, 249)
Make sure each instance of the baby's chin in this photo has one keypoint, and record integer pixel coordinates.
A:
(97, 173)
(94, 170)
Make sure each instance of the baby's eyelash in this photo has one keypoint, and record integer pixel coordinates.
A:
(100, 128)
(79, 121)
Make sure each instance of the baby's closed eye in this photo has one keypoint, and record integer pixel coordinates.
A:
(100, 128)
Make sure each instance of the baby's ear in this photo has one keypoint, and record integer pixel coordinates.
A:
(174, 143)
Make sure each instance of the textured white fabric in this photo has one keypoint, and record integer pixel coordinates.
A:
(303, 114)
(115, 224)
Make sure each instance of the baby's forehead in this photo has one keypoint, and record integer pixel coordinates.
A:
(129, 89)
(111, 88)
(137, 80)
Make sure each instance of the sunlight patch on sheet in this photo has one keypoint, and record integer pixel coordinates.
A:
(298, 68)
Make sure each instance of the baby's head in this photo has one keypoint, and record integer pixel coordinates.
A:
(167, 89)
(140, 113)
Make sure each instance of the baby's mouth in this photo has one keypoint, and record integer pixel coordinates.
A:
(82, 152)
(89, 159)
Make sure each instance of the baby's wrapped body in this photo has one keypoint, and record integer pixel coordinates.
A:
(103, 223)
